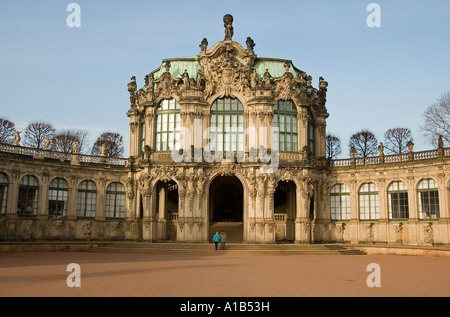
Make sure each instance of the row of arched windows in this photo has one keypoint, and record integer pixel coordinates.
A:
(227, 126)
(398, 201)
(58, 193)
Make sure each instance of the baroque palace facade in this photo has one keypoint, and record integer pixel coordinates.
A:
(226, 139)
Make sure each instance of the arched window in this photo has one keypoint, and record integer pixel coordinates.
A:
(3, 193)
(285, 119)
(340, 202)
(28, 196)
(428, 199)
(115, 201)
(226, 131)
(398, 200)
(141, 134)
(57, 197)
(168, 126)
(86, 199)
(311, 133)
(368, 202)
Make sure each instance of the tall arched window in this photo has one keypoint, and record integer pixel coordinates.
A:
(340, 202)
(57, 197)
(28, 196)
(86, 199)
(115, 200)
(368, 202)
(428, 199)
(398, 200)
(226, 131)
(285, 119)
(168, 126)
(3, 193)
(311, 132)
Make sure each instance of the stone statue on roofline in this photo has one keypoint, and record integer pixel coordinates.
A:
(250, 44)
(17, 138)
(75, 148)
(204, 44)
(46, 143)
(228, 24)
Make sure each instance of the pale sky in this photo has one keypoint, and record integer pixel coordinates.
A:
(379, 78)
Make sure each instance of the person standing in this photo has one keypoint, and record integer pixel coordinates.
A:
(216, 239)
(223, 239)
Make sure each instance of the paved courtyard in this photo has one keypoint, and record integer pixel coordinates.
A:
(44, 274)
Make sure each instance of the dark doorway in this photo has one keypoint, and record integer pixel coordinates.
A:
(167, 208)
(226, 194)
(226, 208)
(285, 204)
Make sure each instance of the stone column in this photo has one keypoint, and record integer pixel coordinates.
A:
(291, 214)
(162, 222)
(413, 221)
(13, 195)
(42, 208)
(72, 198)
(101, 200)
(300, 216)
(269, 217)
(443, 193)
(133, 114)
(150, 126)
(320, 140)
(352, 227)
(302, 126)
(383, 226)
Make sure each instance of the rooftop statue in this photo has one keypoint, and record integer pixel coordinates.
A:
(228, 24)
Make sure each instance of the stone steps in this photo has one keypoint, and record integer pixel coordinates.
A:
(234, 230)
(342, 250)
(208, 249)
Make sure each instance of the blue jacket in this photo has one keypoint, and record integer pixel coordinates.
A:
(216, 238)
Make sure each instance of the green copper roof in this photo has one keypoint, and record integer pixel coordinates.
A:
(275, 66)
(179, 65)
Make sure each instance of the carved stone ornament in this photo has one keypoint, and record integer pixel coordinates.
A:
(167, 86)
(227, 68)
(428, 233)
(144, 182)
(369, 232)
(398, 228)
(26, 229)
(130, 188)
(58, 225)
(86, 230)
(340, 228)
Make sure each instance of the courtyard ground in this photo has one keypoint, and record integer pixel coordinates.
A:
(44, 274)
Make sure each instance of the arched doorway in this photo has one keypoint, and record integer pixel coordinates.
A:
(167, 209)
(285, 204)
(226, 207)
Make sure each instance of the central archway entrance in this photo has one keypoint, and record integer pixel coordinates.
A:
(226, 207)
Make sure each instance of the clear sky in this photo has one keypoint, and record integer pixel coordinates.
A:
(379, 77)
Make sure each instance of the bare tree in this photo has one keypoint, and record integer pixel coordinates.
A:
(7, 130)
(333, 145)
(396, 140)
(113, 142)
(437, 120)
(36, 132)
(365, 143)
(64, 140)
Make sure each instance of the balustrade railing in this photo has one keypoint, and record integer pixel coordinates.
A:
(39, 153)
(279, 217)
(388, 159)
(166, 156)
